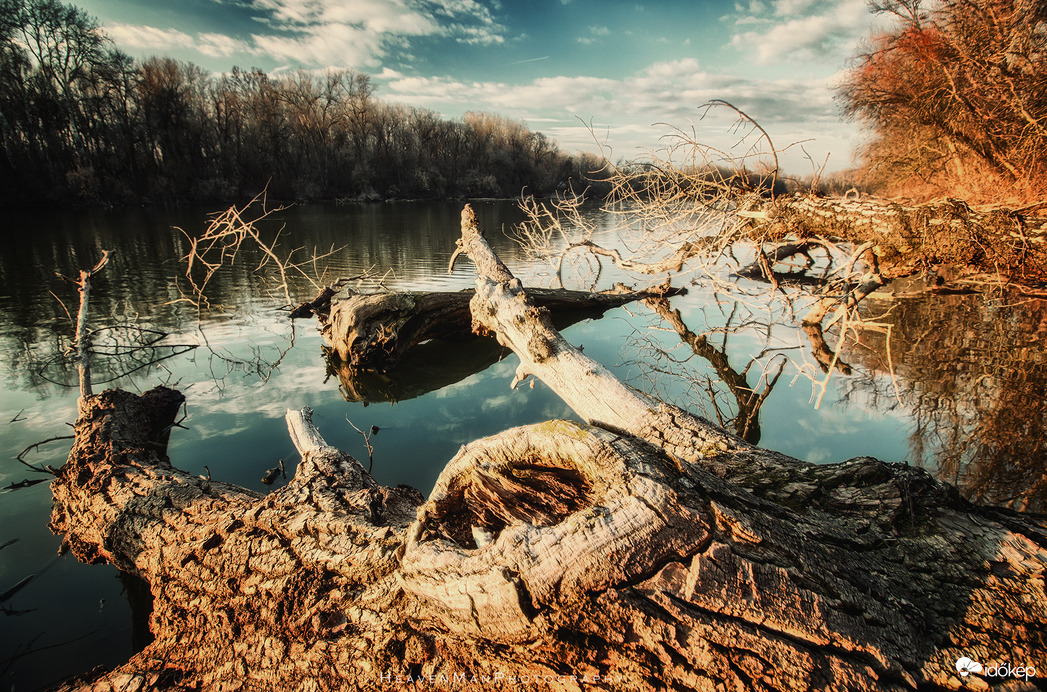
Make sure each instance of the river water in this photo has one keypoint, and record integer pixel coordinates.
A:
(965, 399)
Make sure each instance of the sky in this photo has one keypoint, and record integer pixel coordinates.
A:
(594, 75)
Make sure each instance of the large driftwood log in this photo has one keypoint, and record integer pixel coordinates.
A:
(562, 555)
(395, 346)
(375, 331)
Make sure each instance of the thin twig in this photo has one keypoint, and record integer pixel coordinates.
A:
(35, 445)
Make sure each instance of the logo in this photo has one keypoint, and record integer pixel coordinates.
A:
(965, 666)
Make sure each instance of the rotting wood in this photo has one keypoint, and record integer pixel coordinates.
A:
(654, 573)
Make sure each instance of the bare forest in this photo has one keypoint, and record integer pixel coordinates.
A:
(83, 123)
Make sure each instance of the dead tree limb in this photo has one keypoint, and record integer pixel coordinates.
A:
(910, 238)
(571, 556)
(375, 331)
(81, 340)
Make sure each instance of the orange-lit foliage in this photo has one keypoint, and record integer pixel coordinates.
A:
(956, 96)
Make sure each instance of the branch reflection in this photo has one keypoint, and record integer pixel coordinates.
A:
(747, 399)
(973, 371)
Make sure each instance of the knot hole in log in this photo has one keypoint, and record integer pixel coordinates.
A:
(540, 488)
(521, 523)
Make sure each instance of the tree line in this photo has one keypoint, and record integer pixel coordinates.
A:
(955, 96)
(82, 122)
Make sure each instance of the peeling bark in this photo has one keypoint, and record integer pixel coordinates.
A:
(651, 551)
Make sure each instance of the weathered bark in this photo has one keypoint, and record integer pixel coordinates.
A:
(616, 554)
(82, 339)
(373, 332)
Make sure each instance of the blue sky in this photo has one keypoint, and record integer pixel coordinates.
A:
(559, 65)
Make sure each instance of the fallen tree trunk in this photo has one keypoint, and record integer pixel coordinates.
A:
(911, 238)
(565, 555)
(375, 331)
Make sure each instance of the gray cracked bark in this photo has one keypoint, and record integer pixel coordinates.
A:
(653, 551)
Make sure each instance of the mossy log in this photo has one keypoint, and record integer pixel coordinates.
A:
(645, 549)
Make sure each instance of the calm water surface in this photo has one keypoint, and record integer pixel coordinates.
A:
(241, 378)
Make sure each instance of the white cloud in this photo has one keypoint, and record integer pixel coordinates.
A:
(595, 33)
(148, 37)
(329, 33)
(476, 35)
(157, 40)
(749, 19)
(624, 112)
(330, 44)
(805, 30)
(791, 8)
(381, 16)
(220, 45)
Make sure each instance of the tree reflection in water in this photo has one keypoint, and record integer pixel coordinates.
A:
(742, 414)
(972, 371)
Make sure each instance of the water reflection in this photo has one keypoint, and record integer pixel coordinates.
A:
(73, 617)
(972, 373)
(425, 368)
(742, 413)
(141, 285)
(967, 373)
